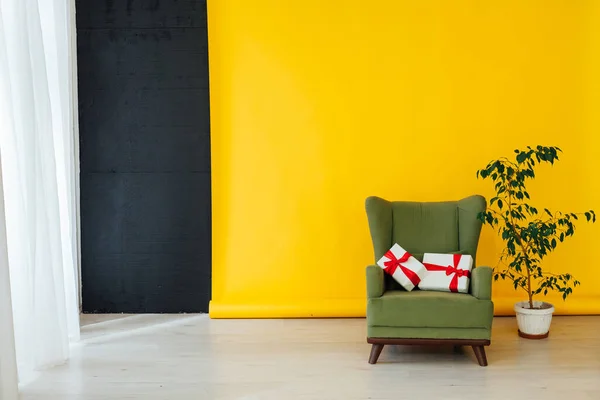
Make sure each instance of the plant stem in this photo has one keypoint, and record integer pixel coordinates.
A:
(529, 292)
(523, 248)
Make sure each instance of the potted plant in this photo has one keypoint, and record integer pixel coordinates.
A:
(529, 236)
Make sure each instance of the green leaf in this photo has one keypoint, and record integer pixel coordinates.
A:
(499, 204)
(522, 156)
(553, 243)
(548, 212)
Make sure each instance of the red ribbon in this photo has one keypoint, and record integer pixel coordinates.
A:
(450, 269)
(394, 263)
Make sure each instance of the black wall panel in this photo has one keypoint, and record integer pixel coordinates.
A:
(145, 155)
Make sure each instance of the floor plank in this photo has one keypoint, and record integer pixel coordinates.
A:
(193, 357)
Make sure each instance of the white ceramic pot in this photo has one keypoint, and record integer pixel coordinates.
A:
(534, 323)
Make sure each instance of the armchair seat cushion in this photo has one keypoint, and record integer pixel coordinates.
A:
(428, 309)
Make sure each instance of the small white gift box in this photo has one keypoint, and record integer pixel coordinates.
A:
(403, 267)
(447, 272)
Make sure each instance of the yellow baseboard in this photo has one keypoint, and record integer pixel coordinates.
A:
(352, 308)
(335, 308)
(573, 306)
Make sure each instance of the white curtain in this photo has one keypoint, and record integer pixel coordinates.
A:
(39, 175)
(8, 365)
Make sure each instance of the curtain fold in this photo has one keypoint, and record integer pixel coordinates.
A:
(8, 365)
(37, 148)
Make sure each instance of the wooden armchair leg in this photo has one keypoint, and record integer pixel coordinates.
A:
(375, 352)
(480, 354)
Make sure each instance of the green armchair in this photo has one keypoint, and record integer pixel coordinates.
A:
(396, 316)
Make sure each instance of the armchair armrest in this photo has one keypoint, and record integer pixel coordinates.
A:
(481, 283)
(375, 284)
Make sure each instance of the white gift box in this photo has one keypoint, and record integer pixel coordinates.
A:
(447, 272)
(403, 267)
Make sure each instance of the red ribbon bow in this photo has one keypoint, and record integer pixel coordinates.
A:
(450, 269)
(394, 263)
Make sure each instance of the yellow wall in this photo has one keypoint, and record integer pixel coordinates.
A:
(318, 104)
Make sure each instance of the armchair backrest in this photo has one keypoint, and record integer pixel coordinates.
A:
(425, 227)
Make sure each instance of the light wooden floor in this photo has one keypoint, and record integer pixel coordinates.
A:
(191, 357)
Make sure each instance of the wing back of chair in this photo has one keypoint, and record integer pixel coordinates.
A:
(424, 227)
